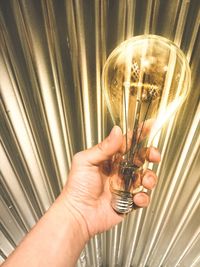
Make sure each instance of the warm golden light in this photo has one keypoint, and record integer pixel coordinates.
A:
(146, 78)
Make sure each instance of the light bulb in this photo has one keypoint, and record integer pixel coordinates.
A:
(146, 79)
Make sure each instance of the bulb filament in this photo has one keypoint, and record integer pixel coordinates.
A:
(128, 169)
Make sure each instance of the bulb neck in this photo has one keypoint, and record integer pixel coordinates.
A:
(122, 202)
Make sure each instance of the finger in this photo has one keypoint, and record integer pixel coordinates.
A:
(149, 179)
(150, 154)
(141, 200)
(153, 155)
(102, 151)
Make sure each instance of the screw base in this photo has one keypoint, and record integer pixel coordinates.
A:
(122, 202)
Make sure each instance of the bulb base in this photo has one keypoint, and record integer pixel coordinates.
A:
(122, 202)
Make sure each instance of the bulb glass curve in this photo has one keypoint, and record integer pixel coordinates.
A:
(145, 81)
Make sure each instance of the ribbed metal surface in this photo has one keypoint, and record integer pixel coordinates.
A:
(51, 58)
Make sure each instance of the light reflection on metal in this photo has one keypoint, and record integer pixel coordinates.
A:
(51, 58)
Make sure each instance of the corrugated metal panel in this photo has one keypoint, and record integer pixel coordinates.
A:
(51, 58)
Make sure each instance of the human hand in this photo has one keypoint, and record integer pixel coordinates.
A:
(87, 190)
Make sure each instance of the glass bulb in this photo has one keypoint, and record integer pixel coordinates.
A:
(145, 81)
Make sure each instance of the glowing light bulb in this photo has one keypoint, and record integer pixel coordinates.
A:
(145, 80)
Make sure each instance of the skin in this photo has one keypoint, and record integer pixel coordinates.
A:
(82, 210)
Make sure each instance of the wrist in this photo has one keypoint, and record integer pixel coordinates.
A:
(70, 212)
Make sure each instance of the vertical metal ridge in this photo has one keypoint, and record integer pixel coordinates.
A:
(74, 61)
(10, 233)
(193, 37)
(44, 79)
(130, 22)
(100, 57)
(3, 256)
(20, 91)
(121, 21)
(8, 200)
(7, 249)
(65, 152)
(100, 40)
(18, 162)
(188, 247)
(181, 22)
(16, 191)
(135, 236)
(51, 59)
(196, 261)
(148, 16)
(7, 235)
(83, 69)
(184, 221)
(154, 17)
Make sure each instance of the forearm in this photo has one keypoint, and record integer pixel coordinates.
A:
(57, 240)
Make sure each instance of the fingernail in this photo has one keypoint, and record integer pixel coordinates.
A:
(154, 154)
(115, 131)
(140, 200)
(149, 182)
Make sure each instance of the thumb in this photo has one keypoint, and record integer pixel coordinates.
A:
(104, 150)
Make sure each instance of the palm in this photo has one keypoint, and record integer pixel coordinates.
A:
(88, 183)
(90, 187)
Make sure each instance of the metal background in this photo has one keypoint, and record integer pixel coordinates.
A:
(51, 58)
